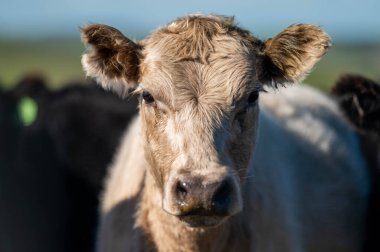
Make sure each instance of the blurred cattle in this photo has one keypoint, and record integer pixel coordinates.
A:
(31, 195)
(359, 99)
(51, 171)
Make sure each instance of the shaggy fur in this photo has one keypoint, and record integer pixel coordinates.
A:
(113, 54)
(299, 184)
(295, 51)
(200, 33)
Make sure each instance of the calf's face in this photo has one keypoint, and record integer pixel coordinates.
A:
(199, 124)
(199, 81)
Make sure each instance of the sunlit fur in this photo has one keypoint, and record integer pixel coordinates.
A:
(297, 176)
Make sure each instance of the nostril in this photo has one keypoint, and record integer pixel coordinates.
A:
(182, 189)
(222, 197)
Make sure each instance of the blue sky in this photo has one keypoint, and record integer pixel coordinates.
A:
(343, 19)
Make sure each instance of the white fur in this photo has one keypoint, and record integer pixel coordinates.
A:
(119, 86)
(306, 189)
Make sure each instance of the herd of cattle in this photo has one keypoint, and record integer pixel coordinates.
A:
(51, 171)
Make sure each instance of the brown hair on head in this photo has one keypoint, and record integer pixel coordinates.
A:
(193, 36)
(117, 62)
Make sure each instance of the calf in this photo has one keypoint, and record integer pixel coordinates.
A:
(201, 169)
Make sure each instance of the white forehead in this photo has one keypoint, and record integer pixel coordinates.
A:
(217, 82)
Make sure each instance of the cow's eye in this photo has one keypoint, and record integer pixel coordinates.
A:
(251, 101)
(252, 98)
(147, 97)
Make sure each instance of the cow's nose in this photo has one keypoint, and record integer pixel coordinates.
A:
(194, 197)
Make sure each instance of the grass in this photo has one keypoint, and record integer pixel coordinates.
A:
(358, 59)
(59, 61)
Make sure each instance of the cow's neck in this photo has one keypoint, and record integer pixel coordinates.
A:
(167, 233)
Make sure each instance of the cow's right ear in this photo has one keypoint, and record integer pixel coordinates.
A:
(113, 59)
(291, 55)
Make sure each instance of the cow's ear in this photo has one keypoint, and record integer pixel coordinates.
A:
(112, 59)
(359, 99)
(291, 55)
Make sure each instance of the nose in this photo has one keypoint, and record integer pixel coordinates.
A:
(196, 198)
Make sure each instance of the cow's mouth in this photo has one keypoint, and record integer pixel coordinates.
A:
(200, 217)
(202, 221)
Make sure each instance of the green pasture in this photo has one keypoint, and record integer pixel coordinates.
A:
(59, 61)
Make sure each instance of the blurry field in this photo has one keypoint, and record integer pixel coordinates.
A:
(359, 59)
(59, 61)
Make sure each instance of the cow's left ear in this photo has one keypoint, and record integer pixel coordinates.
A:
(113, 59)
(291, 55)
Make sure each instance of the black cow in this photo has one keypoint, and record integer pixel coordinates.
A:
(51, 171)
(359, 99)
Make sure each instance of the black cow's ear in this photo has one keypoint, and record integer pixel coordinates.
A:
(359, 99)
(113, 59)
(291, 55)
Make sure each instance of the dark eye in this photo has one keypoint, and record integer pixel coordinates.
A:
(252, 98)
(147, 97)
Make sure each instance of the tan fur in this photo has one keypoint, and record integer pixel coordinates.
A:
(192, 37)
(201, 72)
(296, 50)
